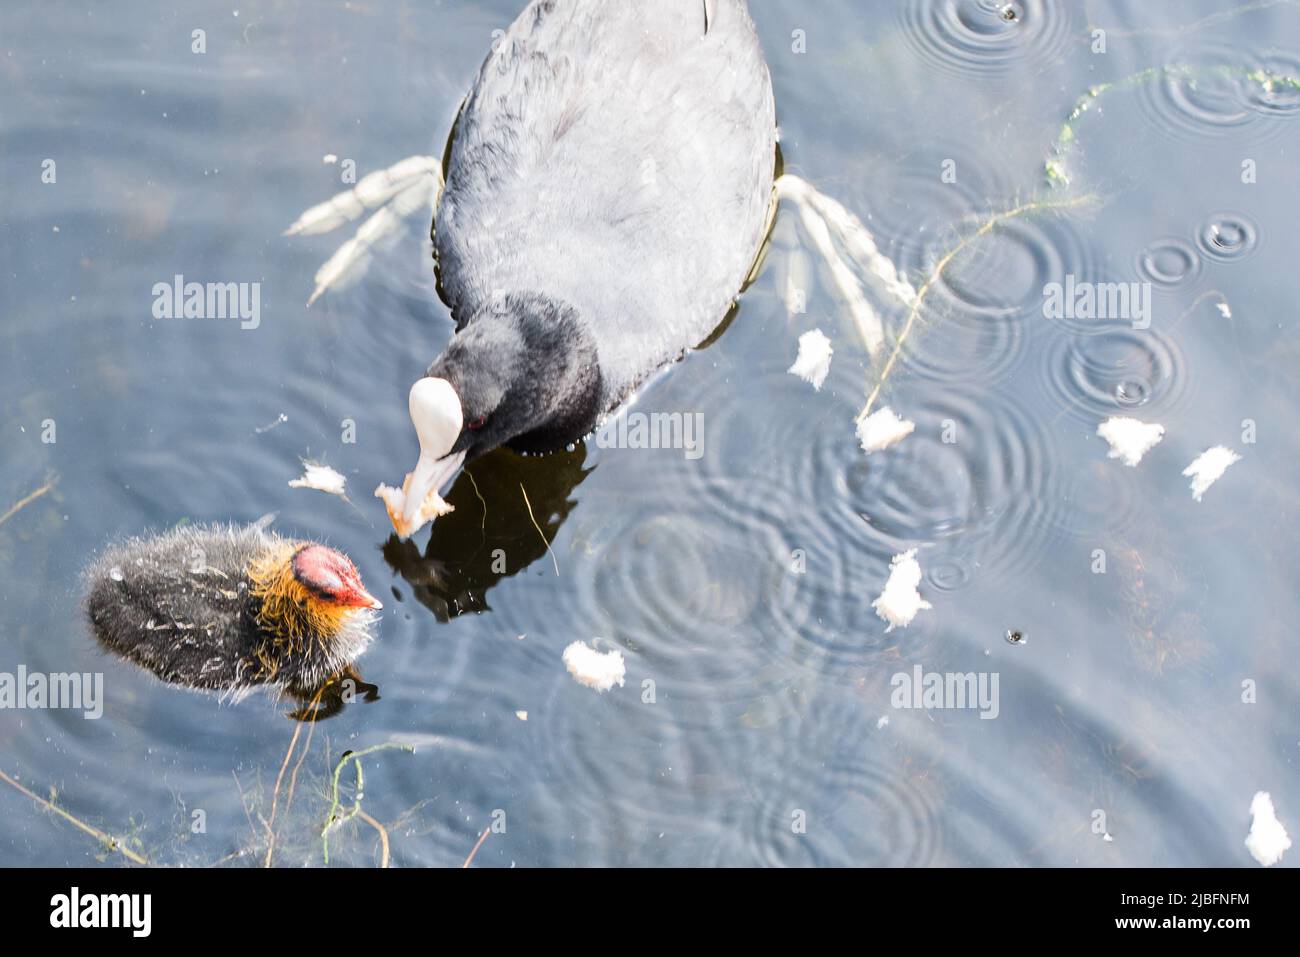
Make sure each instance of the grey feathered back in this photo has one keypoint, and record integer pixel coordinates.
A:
(614, 155)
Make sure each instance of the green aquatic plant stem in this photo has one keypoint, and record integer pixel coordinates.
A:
(984, 229)
(108, 840)
(334, 819)
(1055, 164)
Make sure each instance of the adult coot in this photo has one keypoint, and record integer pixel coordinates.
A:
(607, 190)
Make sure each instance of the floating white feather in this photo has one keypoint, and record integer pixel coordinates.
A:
(883, 428)
(899, 603)
(1129, 438)
(322, 478)
(1267, 840)
(594, 669)
(814, 359)
(1208, 467)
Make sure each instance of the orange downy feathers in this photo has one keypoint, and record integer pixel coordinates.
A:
(289, 612)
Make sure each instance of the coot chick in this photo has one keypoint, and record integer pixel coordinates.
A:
(608, 188)
(228, 609)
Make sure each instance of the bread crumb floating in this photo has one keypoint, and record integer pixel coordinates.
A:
(432, 507)
(1208, 467)
(1268, 840)
(814, 359)
(1130, 439)
(900, 601)
(883, 428)
(521, 715)
(322, 478)
(594, 669)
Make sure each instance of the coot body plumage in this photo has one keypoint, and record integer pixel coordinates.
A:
(228, 608)
(608, 188)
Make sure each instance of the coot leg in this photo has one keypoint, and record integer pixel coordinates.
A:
(411, 185)
(832, 228)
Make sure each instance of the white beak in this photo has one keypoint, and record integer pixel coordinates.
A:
(436, 413)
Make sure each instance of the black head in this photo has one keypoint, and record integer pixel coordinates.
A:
(527, 374)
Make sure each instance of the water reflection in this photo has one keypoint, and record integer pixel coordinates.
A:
(495, 531)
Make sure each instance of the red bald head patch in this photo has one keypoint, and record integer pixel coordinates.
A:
(331, 577)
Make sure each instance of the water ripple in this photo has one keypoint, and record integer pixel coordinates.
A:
(933, 185)
(1117, 371)
(973, 475)
(1024, 256)
(1219, 92)
(987, 37)
(1095, 499)
(1169, 262)
(1282, 99)
(838, 792)
(1228, 237)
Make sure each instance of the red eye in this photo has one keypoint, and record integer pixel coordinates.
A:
(477, 423)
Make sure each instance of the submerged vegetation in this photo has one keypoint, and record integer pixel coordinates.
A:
(1056, 166)
(332, 802)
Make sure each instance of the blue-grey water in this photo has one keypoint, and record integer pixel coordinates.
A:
(1148, 702)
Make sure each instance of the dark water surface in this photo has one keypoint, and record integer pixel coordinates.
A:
(768, 686)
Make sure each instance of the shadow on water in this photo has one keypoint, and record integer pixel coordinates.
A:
(491, 535)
